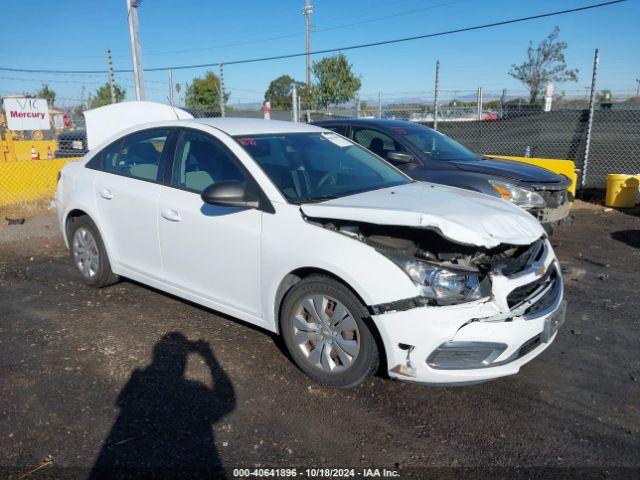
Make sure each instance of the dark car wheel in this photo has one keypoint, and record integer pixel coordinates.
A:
(325, 328)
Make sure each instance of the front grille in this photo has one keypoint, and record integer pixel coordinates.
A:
(554, 198)
(523, 293)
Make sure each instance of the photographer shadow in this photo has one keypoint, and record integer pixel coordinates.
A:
(164, 428)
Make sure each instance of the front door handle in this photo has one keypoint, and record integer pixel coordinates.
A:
(170, 215)
(106, 194)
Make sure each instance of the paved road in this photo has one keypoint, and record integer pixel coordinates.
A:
(95, 377)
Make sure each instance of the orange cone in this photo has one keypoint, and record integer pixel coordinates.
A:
(34, 154)
(49, 153)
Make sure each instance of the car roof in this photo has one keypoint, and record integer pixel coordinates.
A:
(256, 126)
(377, 122)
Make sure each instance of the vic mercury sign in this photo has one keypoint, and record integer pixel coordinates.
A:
(27, 114)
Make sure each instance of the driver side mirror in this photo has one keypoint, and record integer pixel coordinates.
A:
(231, 193)
(398, 157)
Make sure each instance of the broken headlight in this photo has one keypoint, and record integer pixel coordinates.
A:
(520, 196)
(446, 285)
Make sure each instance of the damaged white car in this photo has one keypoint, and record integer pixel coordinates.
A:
(296, 229)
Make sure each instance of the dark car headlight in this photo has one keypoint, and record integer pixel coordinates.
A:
(520, 196)
(446, 285)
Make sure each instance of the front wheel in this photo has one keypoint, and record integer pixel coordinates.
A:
(325, 328)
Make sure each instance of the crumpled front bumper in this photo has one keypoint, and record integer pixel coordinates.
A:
(412, 338)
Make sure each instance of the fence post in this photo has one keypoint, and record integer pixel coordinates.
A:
(479, 103)
(592, 98)
(171, 87)
(358, 106)
(503, 100)
(294, 103)
(222, 111)
(379, 104)
(112, 87)
(435, 97)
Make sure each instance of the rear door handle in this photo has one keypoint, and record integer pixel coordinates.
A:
(170, 215)
(106, 194)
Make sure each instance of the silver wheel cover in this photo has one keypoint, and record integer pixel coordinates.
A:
(85, 253)
(326, 333)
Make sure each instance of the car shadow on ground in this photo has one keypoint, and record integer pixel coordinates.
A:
(164, 428)
(630, 237)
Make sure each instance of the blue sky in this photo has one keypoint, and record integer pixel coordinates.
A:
(74, 34)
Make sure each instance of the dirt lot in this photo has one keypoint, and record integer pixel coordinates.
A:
(80, 384)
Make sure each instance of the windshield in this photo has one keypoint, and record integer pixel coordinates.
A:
(308, 167)
(435, 145)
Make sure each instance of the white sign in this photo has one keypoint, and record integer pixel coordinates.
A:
(58, 121)
(27, 114)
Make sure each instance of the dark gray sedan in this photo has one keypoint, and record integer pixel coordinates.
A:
(430, 156)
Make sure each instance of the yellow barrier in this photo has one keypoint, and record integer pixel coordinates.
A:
(29, 180)
(561, 167)
(23, 148)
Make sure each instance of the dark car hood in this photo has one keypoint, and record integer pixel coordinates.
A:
(509, 169)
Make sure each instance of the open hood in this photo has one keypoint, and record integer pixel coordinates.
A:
(104, 122)
(462, 216)
(509, 169)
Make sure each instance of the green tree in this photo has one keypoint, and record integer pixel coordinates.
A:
(335, 83)
(102, 95)
(46, 93)
(204, 93)
(280, 91)
(545, 63)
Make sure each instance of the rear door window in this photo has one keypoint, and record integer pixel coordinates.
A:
(138, 156)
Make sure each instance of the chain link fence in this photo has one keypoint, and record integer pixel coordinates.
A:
(505, 129)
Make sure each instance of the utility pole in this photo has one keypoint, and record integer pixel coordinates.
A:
(586, 91)
(82, 90)
(307, 11)
(592, 101)
(435, 96)
(479, 103)
(638, 87)
(171, 87)
(222, 112)
(112, 87)
(136, 56)
(379, 104)
(503, 100)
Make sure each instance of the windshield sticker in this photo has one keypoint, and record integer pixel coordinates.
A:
(337, 139)
(247, 142)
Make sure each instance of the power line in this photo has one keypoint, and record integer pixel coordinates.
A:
(337, 49)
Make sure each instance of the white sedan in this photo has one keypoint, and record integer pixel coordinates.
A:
(296, 229)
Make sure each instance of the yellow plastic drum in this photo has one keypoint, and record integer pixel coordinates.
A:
(622, 190)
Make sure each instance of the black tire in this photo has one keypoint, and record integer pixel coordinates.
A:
(103, 276)
(367, 359)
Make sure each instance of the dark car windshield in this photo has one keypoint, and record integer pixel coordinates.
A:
(308, 167)
(434, 145)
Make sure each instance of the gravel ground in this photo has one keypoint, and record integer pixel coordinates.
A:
(92, 378)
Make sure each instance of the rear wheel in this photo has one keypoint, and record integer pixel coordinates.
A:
(88, 253)
(325, 328)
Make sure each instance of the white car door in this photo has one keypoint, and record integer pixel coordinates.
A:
(127, 192)
(209, 251)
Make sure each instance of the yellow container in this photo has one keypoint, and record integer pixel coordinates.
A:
(622, 190)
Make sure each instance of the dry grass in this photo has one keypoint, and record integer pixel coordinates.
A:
(25, 209)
